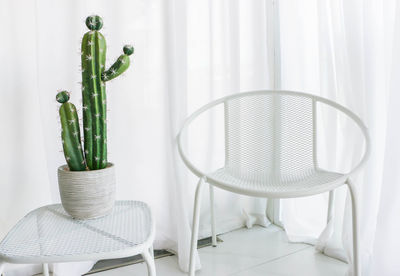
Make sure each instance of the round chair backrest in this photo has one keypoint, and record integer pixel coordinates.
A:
(269, 135)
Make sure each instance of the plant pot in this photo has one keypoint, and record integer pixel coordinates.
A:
(87, 194)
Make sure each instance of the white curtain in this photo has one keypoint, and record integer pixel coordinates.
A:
(188, 53)
(41, 54)
(386, 244)
(346, 51)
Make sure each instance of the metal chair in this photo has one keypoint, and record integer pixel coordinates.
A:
(271, 152)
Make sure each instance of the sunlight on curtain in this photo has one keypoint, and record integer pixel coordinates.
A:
(341, 50)
(386, 246)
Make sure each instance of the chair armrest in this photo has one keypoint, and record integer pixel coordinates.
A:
(362, 127)
(365, 157)
(185, 159)
(187, 122)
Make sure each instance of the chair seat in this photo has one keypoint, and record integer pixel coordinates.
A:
(285, 186)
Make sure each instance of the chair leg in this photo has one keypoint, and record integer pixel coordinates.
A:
(213, 231)
(46, 270)
(355, 229)
(151, 267)
(195, 226)
(330, 206)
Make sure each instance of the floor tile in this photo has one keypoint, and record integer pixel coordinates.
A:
(265, 243)
(213, 264)
(306, 262)
(248, 252)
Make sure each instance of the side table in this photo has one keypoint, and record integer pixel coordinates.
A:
(49, 235)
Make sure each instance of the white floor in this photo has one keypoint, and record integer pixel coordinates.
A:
(248, 252)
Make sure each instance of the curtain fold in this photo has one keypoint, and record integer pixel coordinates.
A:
(175, 16)
(386, 243)
(355, 44)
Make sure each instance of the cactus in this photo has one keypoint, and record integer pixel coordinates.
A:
(71, 136)
(94, 76)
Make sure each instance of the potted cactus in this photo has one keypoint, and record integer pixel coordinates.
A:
(87, 182)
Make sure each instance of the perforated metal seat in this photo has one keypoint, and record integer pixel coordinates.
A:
(270, 150)
(311, 182)
(48, 234)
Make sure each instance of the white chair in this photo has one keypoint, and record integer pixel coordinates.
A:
(271, 152)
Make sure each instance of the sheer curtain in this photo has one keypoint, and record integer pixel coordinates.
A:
(41, 52)
(346, 51)
(386, 244)
(187, 53)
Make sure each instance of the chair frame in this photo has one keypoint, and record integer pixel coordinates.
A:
(204, 178)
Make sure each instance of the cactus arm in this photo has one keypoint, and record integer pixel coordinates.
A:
(119, 66)
(71, 137)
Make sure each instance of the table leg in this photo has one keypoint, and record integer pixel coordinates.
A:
(151, 267)
(2, 264)
(46, 270)
(151, 252)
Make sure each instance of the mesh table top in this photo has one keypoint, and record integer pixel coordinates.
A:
(50, 232)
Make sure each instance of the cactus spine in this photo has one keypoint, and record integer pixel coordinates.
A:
(94, 76)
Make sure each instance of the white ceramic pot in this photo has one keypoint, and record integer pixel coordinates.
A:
(87, 194)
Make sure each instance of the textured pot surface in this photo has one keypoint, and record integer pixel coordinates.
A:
(87, 194)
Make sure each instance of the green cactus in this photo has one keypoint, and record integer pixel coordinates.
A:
(94, 76)
(71, 136)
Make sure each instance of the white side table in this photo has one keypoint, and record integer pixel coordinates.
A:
(49, 235)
